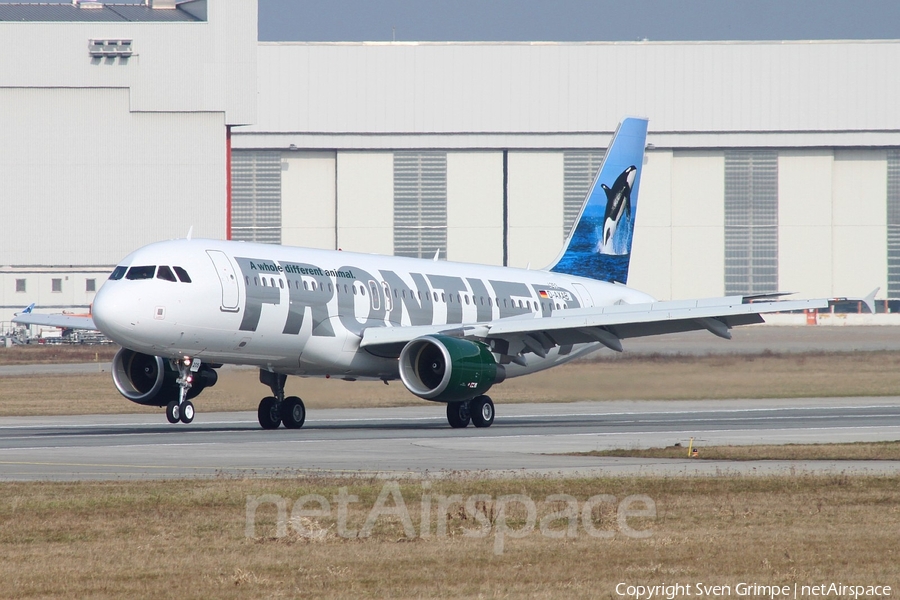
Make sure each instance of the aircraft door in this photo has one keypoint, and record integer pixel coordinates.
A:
(586, 300)
(388, 301)
(228, 280)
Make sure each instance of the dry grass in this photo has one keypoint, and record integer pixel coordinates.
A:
(852, 451)
(636, 378)
(186, 539)
(34, 354)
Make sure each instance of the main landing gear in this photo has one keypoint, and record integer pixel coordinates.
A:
(182, 409)
(478, 410)
(276, 409)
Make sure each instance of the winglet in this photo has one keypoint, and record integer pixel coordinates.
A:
(27, 310)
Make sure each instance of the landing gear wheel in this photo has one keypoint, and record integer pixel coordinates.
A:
(187, 412)
(482, 408)
(173, 411)
(293, 413)
(268, 413)
(458, 414)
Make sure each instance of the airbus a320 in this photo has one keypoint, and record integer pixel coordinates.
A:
(449, 331)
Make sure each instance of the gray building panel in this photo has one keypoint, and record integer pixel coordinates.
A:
(715, 89)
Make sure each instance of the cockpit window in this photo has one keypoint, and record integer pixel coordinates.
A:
(166, 273)
(182, 274)
(141, 272)
(118, 273)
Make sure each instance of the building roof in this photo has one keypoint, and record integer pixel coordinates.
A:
(91, 12)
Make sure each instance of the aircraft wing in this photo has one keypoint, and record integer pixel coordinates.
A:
(607, 325)
(55, 320)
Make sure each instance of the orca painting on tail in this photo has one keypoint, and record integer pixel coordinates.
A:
(599, 243)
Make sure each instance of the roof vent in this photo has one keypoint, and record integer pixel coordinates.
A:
(109, 48)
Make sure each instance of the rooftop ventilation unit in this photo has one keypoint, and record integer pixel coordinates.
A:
(109, 48)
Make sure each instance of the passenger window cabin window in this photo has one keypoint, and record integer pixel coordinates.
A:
(362, 290)
(272, 281)
(256, 281)
(281, 283)
(182, 274)
(166, 274)
(346, 291)
(264, 282)
(404, 294)
(143, 272)
(504, 303)
(354, 289)
(329, 288)
(247, 277)
(467, 299)
(443, 299)
(450, 296)
(306, 285)
(118, 273)
(435, 296)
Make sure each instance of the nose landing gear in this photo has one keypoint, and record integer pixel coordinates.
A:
(182, 409)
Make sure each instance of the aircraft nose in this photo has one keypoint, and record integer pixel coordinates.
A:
(111, 312)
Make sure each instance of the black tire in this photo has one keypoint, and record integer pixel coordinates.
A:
(173, 412)
(187, 412)
(458, 414)
(268, 413)
(482, 409)
(293, 412)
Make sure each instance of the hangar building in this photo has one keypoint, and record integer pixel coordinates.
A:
(770, 165)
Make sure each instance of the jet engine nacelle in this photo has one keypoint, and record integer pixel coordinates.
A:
(151, 380)
(448, 369)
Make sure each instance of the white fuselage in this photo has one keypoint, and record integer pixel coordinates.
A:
(302, 311)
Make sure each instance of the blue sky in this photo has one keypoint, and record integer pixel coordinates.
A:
(576, 20)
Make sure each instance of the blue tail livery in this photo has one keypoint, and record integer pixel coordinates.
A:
(599, 244)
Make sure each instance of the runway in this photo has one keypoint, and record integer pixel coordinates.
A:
(394, 442)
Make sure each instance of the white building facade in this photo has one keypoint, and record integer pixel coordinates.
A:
(114, 125)
(770, 166)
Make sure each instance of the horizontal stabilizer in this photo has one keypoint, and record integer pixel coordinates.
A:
(56, 320)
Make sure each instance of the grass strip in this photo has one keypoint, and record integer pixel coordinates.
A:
(850, 451)
(188, 538)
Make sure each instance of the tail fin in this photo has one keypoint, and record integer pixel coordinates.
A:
(599, 244)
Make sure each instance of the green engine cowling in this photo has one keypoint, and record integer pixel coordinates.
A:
(448, 369)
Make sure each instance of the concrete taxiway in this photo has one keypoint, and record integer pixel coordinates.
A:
(393, 442)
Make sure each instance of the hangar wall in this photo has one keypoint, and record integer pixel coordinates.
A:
(832, 234)
(100, 155)
(758, 177)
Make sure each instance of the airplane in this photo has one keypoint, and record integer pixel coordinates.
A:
(448, 331)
